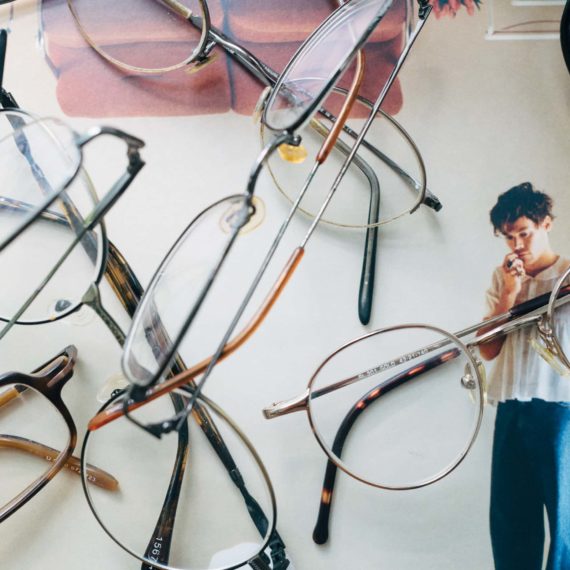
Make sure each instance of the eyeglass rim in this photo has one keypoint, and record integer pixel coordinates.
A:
(49, 386)
(220, 412)
(196, 54)
(475, 364)
(562, 355)
(147, 297)
(98, 274)
(305, 116)
(421, 194)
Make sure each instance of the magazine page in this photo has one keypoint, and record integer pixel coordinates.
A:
(426, 405)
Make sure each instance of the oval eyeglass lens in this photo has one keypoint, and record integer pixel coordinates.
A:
(197, 284)
(142, 35)
(178, 504)
(312, 72)
(409, 409)
(33, 435)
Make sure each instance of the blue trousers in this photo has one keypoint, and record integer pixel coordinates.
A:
(530, 471)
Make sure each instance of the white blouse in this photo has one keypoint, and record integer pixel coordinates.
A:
(519, 372)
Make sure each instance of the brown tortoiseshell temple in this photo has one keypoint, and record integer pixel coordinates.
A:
(321, 531)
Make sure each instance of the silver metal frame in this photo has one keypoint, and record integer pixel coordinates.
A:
(542, 317)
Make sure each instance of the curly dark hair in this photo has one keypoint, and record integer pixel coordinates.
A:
(518, 201)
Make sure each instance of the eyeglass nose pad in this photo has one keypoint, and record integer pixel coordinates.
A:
(255, 217)
(291, 153)
(467, 380)
(260, 105)
(202, 63)
(79, 317)
(112, 385)
(58, 306)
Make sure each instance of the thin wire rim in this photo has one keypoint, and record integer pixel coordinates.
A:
(441, 474)
(272, 521)
(196, 53)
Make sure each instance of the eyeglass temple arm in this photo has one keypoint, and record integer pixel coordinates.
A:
(179, 380)
(158, 549)
(368, 274)
(513, 319)
(178, 8)
(124, 279)
(321, 530)
(366, 288)
(430, 199)
(95, 475)
(276, 544)
(347, 105)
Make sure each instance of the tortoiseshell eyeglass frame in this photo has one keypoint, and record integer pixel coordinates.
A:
(47, 380)
(538, 312)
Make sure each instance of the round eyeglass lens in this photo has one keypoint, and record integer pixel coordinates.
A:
(143, 35)
(319, 62)
(385, 181)
(33, 436)
(194, 283)
(398, 408)
(178, 504)
(47, 269)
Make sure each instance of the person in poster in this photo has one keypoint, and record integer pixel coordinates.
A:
(531, 446)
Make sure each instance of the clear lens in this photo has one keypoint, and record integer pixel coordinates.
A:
(182, 293)
(408, 410)
(33, 435)
(37, 159)
(320, 61)
(178, 505)
(142, 35)
(385, 182)
(29, 260)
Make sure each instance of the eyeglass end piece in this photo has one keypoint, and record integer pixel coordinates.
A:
(287, 406)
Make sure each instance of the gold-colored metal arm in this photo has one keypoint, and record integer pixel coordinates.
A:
(334, 133)
(95, 475)
(116, 411)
